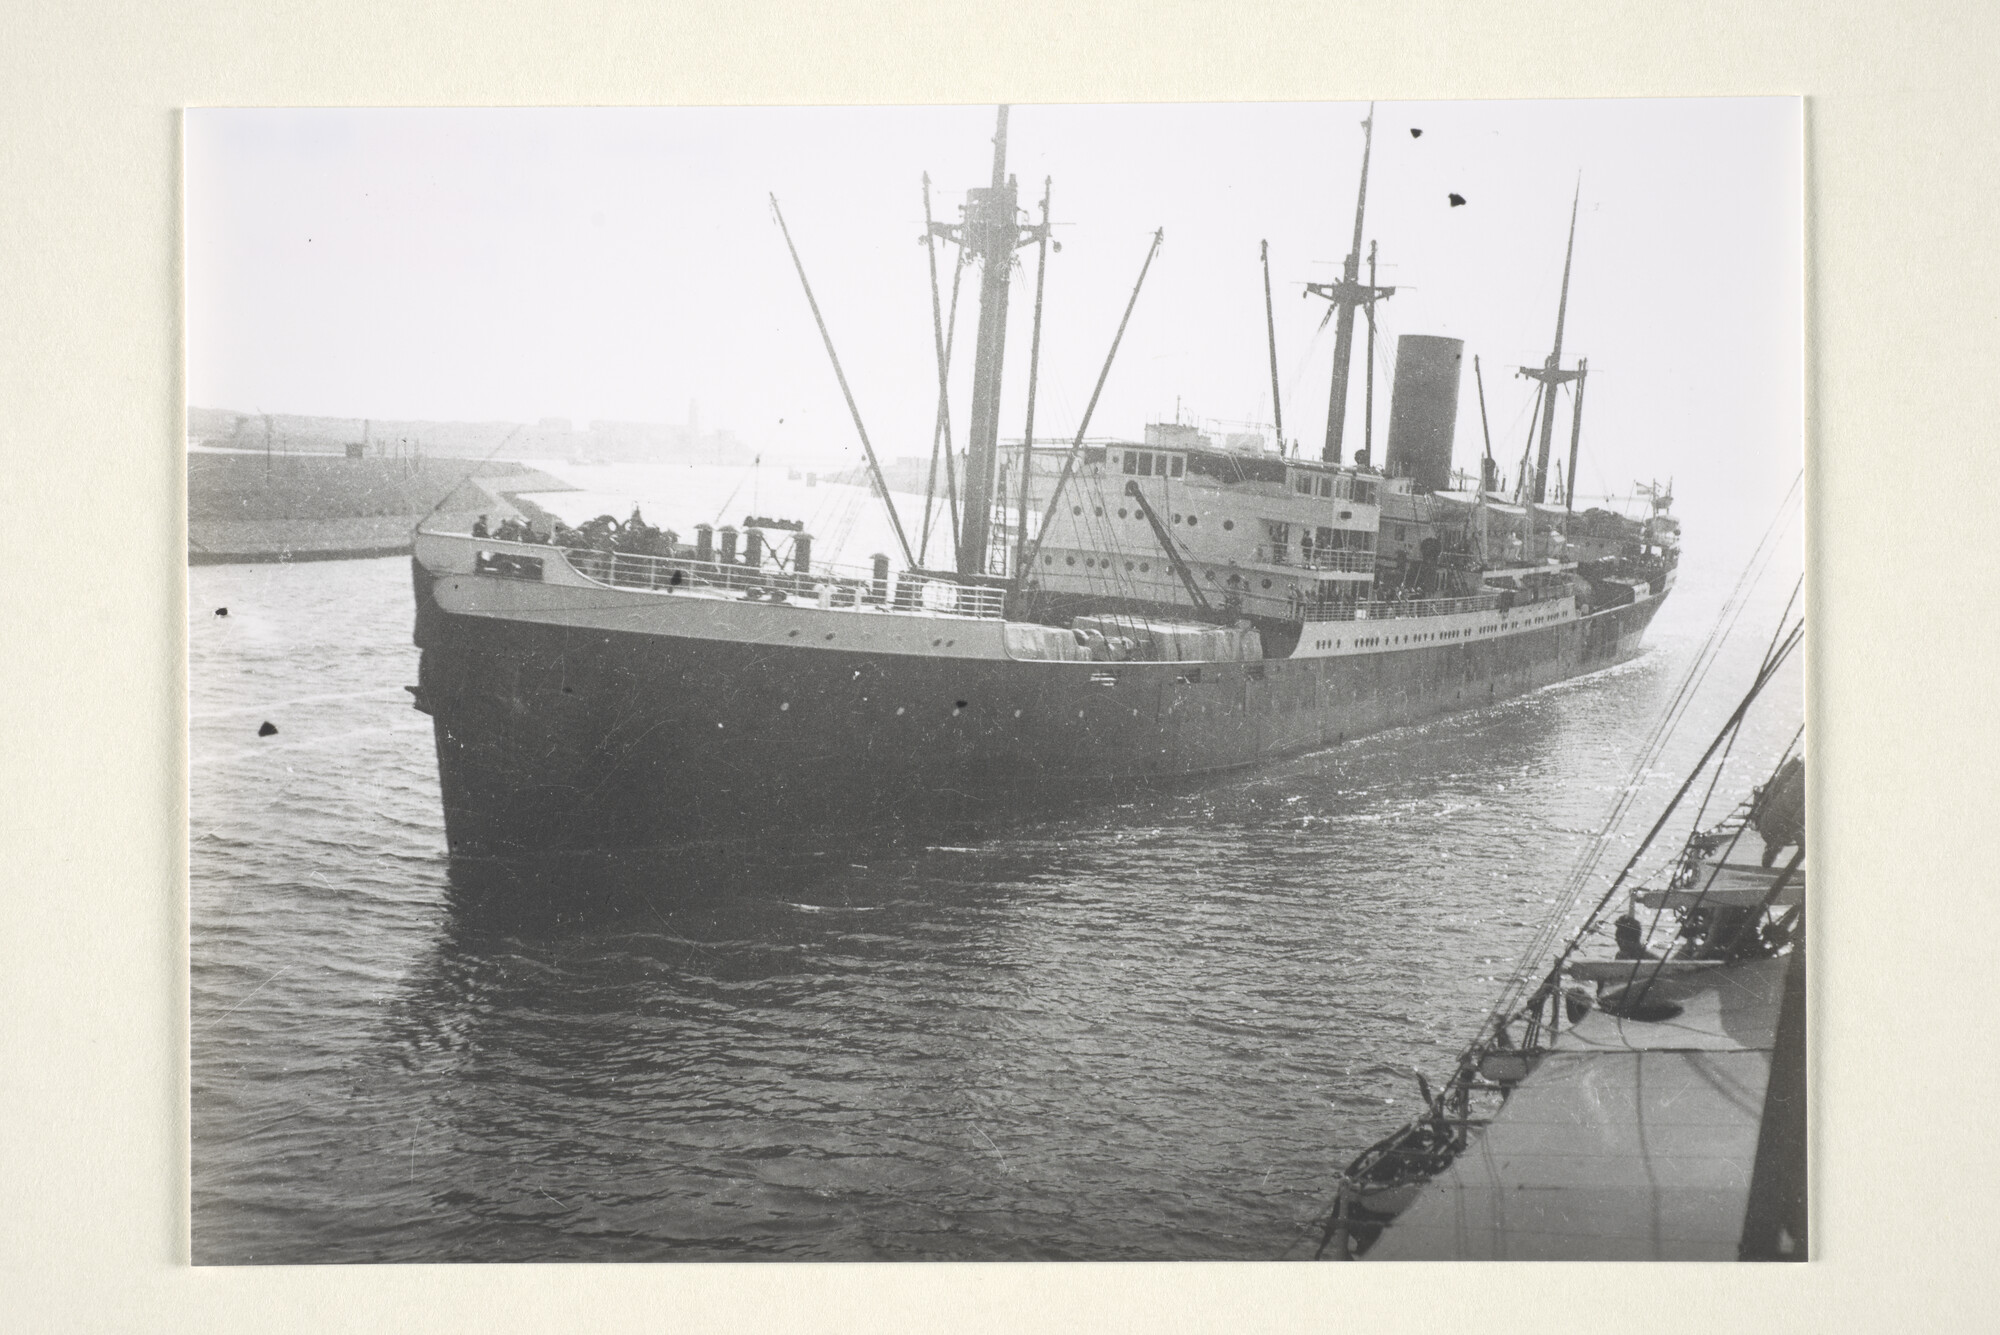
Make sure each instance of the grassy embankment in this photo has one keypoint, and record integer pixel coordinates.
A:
(243, 507)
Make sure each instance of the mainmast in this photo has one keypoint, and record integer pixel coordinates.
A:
(989, 230)
(1345, 295)
(1550, 373)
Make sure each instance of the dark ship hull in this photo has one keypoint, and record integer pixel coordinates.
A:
(559, 729)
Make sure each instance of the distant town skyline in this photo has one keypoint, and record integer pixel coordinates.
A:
(548, 438)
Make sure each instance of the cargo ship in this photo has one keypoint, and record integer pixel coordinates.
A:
(1117, 613)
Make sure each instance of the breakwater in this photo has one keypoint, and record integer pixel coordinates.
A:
(317, 507)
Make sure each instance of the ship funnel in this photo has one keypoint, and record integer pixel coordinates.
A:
(1423, 409)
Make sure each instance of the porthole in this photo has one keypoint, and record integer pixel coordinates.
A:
(1144, 566)
(785, 706)
(1121, 514)
(1097, 510)
(1048, 560)
(1211, 577)
(1229, 523)
(1193, 520)
(1128, 565)
(1076, 509)
(1177, 519)
(1267, 583)
(1067, 560)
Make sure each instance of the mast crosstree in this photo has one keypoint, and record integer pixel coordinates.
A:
(1551, 374)
(1346, 295)
(989, 230)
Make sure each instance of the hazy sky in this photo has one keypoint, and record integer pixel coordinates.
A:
(516, 265)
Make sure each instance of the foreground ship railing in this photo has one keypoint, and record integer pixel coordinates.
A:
(824, 585)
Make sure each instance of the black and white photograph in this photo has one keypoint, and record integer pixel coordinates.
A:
(1121, 682)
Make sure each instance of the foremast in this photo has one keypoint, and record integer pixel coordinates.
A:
(989, 231)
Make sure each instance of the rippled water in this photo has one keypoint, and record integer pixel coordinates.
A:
(1152, 1030)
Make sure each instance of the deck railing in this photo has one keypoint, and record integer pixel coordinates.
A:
(824, 585)
(1387, 608)
(1347, 559)
(872, 588)
(1351, 560)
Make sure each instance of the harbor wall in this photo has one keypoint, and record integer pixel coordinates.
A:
(551, 438)
(245, 507)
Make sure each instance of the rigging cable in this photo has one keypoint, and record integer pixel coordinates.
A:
(1769, 649)
(1746, 808)
(874, 465)
(1516, 986)
(468, 474)
(1076, 447)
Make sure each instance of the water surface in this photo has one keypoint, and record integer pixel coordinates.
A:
(1151, 1030)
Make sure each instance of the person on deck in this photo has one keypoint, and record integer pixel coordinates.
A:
(1631, 945)
(479, 527)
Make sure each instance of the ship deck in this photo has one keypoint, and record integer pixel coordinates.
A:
(645, 586)
(1630, 1140)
